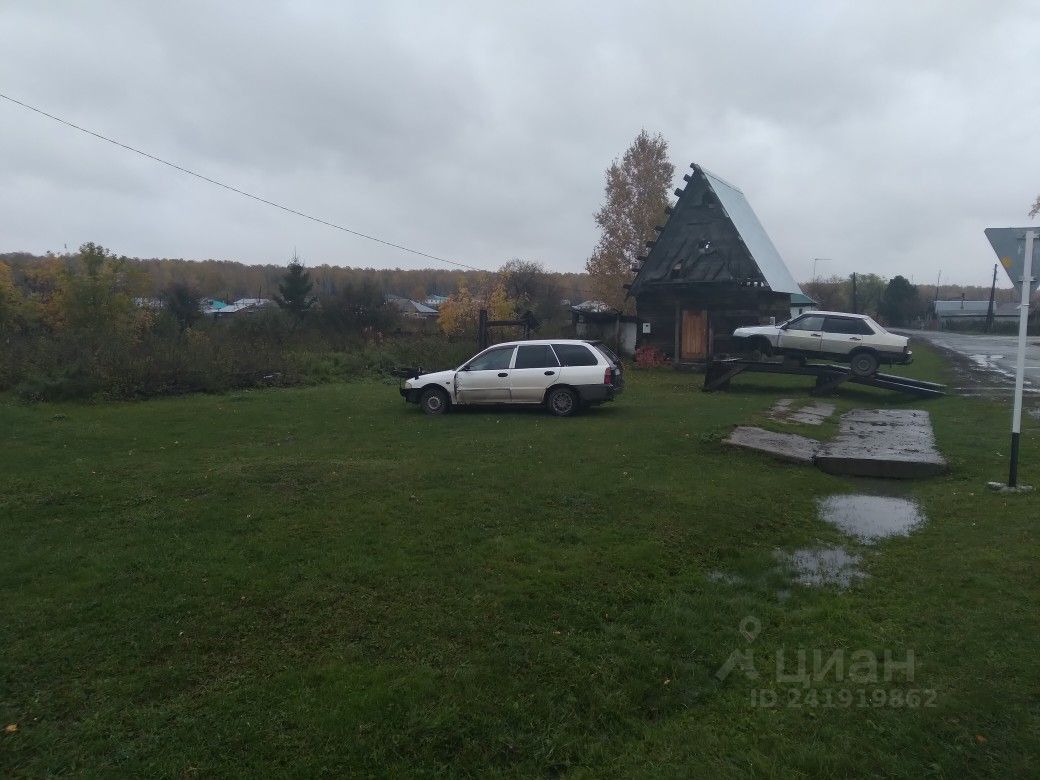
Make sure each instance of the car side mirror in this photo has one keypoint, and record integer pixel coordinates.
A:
(464, 368)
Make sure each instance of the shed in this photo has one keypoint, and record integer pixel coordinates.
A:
(595, 320)
(973, 312)
(711, 269)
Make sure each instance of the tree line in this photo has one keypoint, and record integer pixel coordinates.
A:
(92, 323)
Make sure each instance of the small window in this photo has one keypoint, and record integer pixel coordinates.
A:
(492, 360)
(535, 356)
(809, 322)
(574, 355)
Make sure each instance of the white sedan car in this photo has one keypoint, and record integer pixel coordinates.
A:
(562, 374)
(852, 338)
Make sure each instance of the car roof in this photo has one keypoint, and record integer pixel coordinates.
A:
(836, 314)
(543, 341)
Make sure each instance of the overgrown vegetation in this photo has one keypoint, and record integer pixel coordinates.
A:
(76, 329)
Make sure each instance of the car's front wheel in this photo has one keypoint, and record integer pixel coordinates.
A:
(434, 401)
(760, 347)
(562, 401)
(864, 364)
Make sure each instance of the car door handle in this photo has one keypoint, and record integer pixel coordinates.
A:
(855, 338)
(549, 373)
(815, 335)
(503, 374)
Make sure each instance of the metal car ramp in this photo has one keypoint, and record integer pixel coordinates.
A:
(828, 376)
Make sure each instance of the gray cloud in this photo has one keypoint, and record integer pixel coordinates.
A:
(881, 136)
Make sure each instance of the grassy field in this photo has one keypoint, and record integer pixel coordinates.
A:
(324, 580)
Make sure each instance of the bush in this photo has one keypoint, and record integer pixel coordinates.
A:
(261, 350)
(651, 357)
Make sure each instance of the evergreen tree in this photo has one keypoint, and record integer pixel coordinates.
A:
(295, 290)
(184, 304)
(901, 302)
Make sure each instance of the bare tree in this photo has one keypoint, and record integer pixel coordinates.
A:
(636, 197)
(1036, 207)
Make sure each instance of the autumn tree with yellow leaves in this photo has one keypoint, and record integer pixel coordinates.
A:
(636, 197)
(460, 313)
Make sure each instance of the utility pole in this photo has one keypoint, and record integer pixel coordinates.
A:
(855, 300)
(992, 292)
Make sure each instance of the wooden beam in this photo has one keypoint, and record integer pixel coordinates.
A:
(678, 330)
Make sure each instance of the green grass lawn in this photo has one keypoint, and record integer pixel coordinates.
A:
(324, 580)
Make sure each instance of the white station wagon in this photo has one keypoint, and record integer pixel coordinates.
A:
(562, 374)
(852, 338)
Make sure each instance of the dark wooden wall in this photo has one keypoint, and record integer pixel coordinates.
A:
(728, 306)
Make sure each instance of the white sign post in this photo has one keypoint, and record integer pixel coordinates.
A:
(1017, 264)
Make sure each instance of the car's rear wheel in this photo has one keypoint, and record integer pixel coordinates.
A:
(562, 401)
(863, 363)
(434, 401)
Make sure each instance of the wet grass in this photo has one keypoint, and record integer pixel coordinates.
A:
(324, 580)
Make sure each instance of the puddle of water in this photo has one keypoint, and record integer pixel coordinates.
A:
(869, 518)
(985, 361)
(728, 579)
(824, 566)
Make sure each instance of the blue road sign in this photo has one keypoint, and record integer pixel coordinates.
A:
(1009, 244)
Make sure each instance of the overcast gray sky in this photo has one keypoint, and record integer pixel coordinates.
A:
(882, 136)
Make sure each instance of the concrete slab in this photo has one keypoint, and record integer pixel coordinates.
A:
(813, 414)
(782, 446)
(892, 443)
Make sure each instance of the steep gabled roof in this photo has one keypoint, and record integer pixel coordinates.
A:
(712, 235)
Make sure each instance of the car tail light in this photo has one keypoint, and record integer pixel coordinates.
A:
(608, 377)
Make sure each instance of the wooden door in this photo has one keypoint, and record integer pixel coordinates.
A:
(694, 337)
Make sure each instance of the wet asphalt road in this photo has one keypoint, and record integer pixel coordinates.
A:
(986, 362)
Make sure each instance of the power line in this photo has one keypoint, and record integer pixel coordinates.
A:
(287, 209)
(236, 190)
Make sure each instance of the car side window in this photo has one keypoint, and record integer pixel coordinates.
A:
(574, 355)
(492, 360)
(841, 325)
(812, 322)
(535, 356)
(852, 326)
